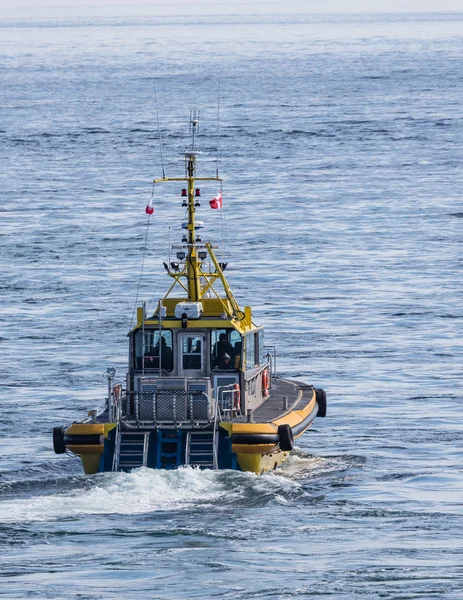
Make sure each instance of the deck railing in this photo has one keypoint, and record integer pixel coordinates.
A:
(228, 401)
(169, 408)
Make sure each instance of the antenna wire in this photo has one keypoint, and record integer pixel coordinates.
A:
(218, 121)
(159, 130)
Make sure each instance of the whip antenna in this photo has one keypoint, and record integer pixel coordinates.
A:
(218, 121)
(159, 130)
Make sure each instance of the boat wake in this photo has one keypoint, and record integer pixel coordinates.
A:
(146, 491)
(303, 466)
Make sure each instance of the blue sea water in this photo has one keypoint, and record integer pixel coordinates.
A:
(340, 149)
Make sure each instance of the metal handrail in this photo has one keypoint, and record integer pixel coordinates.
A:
(226, 390)
(274, 348)
(215, 448)
(117, 449)
(145, 448)
(257, 373)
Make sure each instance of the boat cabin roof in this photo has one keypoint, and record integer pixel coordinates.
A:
(214, 316)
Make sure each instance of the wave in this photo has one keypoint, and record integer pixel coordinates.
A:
(302, 465)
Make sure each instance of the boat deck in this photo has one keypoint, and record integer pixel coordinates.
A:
(285, 396)
(297, 393)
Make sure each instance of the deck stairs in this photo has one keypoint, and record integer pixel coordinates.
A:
(131, 450)
(201, 449)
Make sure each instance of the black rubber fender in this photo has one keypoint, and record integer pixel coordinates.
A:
(58, 440)
(322, 403)
(91, 439)
(285, 434)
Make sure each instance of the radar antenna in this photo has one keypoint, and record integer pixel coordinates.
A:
(194, 125)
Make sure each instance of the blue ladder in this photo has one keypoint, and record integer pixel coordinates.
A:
(169, 448)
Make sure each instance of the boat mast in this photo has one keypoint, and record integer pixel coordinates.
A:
(193, 267)
(193, 277)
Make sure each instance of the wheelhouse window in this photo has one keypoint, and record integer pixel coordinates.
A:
(225, 350)
(151, 347)
(192, 352)
(260, 346)
(254, 349)
(250, 351)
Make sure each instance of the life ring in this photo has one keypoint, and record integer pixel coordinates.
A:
(237, 398)
(265, 383)
(117, 392)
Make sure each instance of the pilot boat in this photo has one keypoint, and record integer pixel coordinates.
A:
(202, 388)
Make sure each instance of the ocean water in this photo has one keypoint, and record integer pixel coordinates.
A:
(340, 149)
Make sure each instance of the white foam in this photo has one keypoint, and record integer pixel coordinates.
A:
(141, 491)
(147, 490)
(299, 466)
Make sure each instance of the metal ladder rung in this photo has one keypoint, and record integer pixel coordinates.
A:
(200, 453)
(203, 442)
(130, 454)
(133, 442)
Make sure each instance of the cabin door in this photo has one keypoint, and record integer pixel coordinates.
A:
(192, 359)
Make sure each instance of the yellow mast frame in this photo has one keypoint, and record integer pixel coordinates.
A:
(193, 267)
